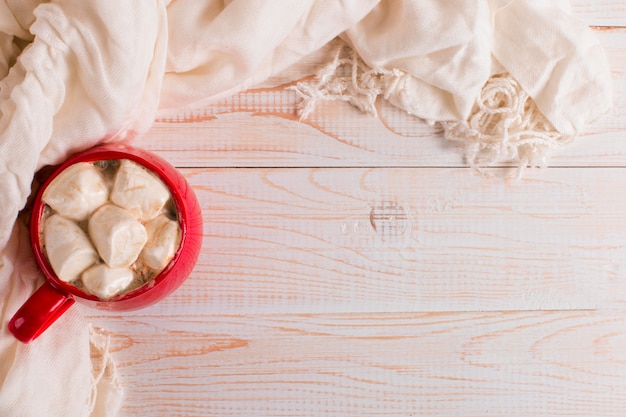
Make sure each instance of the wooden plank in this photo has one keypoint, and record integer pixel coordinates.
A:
(437, 364)
(600, 13)
(399, 239)
(259, 127)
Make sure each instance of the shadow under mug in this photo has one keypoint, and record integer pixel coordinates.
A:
(55, 296)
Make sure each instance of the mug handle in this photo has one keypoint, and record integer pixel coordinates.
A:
(42, 309)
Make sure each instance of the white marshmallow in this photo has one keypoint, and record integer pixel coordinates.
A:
(105, 282)
(163, 241)
(138, 190)
(117, 235)
(77, 191)
(68, 248)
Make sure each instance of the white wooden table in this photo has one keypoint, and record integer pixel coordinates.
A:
(355, 265)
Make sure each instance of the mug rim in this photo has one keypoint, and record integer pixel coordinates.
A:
(155, 165)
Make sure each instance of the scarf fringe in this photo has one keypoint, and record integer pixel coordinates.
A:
(104, 370)
(504, 127)
(346, 78)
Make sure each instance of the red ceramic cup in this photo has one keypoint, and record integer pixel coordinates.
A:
(54, 297)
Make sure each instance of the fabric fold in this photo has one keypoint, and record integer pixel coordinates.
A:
(508, 80)
(227, 50)
(443, 47)
(556, 59)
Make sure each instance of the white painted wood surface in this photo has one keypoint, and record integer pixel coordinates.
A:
(355, 266)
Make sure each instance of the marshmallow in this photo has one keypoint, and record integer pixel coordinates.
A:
(138, 190)
(163, 241)
(68, 248)
(77, 191)
(117, 235)
(105, 282)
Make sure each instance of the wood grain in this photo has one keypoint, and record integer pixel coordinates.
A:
(366, 240)
(600, 13)
(436, 364)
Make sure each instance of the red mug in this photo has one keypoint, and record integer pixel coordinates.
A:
(55, 296)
